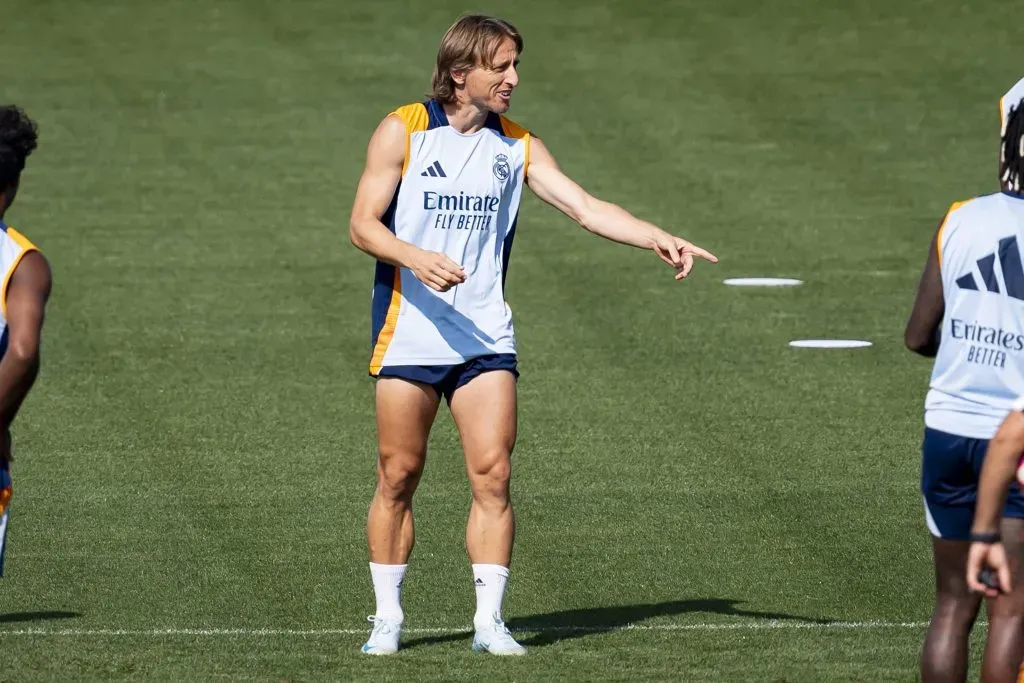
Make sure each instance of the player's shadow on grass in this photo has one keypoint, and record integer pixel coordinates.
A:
(18, 617)
(554, 626)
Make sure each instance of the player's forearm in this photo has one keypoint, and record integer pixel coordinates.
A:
(371, 237)
(997, 476)
(618, 225)
(923, 342)
(18, 372)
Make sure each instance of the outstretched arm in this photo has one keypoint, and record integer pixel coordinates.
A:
(922, 333)
(384, 160)
(603, 218)
(26, 297)
(997, 474)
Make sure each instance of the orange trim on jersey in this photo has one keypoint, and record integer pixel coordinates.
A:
(416, 119)
(387, 333)
(942, 228)
(26, 247)
(514, 130)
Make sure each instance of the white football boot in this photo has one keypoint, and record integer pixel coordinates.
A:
(383, 638)
(496, 639)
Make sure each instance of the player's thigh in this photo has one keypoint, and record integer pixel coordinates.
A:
(950, 559)
(405, 413)
(484, 410)
(1012, 603)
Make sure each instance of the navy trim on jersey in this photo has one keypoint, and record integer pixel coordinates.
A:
(506, 250)
(494, 123)
(383, 279)
(436, 115)
(438, 119)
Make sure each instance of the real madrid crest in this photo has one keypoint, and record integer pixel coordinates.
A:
(502, 169)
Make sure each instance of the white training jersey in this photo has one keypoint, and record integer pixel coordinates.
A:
(979, 369)
(459, 195)
(13, 247)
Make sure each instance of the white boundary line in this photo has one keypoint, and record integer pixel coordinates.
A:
(441, 630)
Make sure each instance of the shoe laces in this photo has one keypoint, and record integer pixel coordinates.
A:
(380, 626)
(501, 631)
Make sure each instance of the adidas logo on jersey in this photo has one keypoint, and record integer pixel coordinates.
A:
(435, 171)
(1009, 263)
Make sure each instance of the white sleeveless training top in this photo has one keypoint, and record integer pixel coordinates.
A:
(979, 369)
(459, 194)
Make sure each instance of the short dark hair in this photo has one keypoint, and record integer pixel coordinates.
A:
(18, 135)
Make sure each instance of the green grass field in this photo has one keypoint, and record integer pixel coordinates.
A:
(696, 500)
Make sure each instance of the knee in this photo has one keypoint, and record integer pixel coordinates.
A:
(490, 478)
(1006, 620)
(398, 474)
(956, 611)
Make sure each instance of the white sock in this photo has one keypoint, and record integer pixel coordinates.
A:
(489, 581)
(387, 586)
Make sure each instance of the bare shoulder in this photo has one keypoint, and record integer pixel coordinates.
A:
(387, 146)
(392, 125)
(390, 130)
(540, 154)
(33, 273)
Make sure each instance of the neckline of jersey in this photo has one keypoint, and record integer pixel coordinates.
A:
(466, 135)
(442, 117)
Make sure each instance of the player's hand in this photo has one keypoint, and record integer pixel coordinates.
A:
(992, 556)
(436, 270)
(679, 253)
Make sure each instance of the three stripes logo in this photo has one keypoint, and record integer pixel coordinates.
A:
(435, 171)
(1009, 263)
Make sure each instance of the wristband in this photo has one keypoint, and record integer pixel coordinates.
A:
(984, 538)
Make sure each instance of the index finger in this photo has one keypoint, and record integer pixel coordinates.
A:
(703, 253)
(452, 267)
(448, 263)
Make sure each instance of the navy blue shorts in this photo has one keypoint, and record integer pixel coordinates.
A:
(445, 379)
(950, 469)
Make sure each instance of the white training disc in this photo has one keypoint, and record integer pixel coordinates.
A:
(829, 343)
(762, 282)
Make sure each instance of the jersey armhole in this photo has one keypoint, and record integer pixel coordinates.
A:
(941, 234)
(9, 274)
(513, 130)
(416, 119)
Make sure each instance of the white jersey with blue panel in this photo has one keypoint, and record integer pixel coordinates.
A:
(459, 195)
(979, 368)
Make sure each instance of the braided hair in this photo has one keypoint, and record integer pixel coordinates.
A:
(1011, 156)
(18, 136)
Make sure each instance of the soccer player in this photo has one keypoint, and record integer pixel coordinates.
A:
(969, 316)
(437, 206)
(23, 296)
